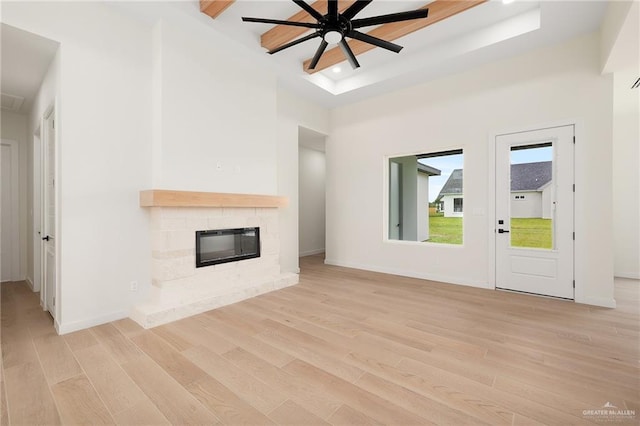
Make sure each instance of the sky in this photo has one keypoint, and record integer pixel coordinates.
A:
(449, 163)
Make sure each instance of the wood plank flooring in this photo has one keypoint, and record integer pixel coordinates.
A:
(343, 347)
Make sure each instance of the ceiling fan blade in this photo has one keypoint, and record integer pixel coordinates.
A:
(392, 17)
(349, 54)
(332, 9)
(311, 11)
(318, 55)
(293, 43)
(375, 41)
(355, 8)
(279, 22)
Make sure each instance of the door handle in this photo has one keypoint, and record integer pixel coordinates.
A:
(503, 231)
(47, 238)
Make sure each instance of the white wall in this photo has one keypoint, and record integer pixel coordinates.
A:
(14, 127)
(312, 175)
(103, 128)
(626, 174)
(293, 112)
(218, 117)
(530, 206)
(462, 111)
(617, 13)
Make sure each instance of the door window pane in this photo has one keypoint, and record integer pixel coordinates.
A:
(532, 204)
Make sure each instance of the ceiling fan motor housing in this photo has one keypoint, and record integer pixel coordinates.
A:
(333, 31)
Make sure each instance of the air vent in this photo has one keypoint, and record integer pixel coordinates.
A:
(11, 102)
(636, 84)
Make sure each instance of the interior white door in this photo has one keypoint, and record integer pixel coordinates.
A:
(9, 236)
(49, 215)
(534, 212)
(395, 200)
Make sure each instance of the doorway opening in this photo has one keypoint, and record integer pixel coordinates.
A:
(10, 191)
(30, 74)
(311, 193)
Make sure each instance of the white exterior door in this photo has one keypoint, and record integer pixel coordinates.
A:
(534, 246)
(9, 255)
(49, 216)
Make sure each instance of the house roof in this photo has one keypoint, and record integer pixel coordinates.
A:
(428, 170)
(453, 184)
(524, 177)
(530, 176)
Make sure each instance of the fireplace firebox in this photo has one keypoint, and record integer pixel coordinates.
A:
(226, 245)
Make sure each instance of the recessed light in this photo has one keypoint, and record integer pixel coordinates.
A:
(336, 69)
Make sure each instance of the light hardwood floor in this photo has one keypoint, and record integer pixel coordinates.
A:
(343, 347)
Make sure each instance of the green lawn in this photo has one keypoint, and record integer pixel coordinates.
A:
(530, 232)
(445, 229)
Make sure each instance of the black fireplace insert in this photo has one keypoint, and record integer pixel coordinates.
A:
(226, 245)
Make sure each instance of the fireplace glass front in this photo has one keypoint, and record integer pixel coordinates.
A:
(226, 245)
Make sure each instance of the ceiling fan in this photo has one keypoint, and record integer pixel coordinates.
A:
(334, 27)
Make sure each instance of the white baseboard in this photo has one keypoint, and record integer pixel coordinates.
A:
(630, 275)
(598, 301)
(311, 252)
(70, 327)
(411, 274)
(30, 284)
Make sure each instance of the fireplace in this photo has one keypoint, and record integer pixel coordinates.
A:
(226, 245)
(180, 286)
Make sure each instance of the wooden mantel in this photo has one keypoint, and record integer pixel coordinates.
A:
(167, 198)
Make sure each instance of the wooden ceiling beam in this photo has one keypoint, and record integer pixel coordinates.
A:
(213, 8)
(438, 10)
(281, 34)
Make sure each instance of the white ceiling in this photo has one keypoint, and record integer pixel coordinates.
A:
(25, 59)
(490, 31)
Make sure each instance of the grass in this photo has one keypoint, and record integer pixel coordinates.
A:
(446, 230)
(531, 232)
(527, 232)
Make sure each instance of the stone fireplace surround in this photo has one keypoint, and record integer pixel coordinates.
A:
(180, 290)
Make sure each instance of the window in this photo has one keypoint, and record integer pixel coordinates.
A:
(457, 205)
(426, 197)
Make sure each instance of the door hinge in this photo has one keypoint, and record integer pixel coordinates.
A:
(574, 139)
(574, 236)
(54, 301)
(574, 283)
(574, 187)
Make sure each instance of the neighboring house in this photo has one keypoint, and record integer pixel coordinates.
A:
(531, 191)
(450, 198)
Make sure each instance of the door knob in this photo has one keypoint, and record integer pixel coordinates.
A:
(47, 238)
(503, 231)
